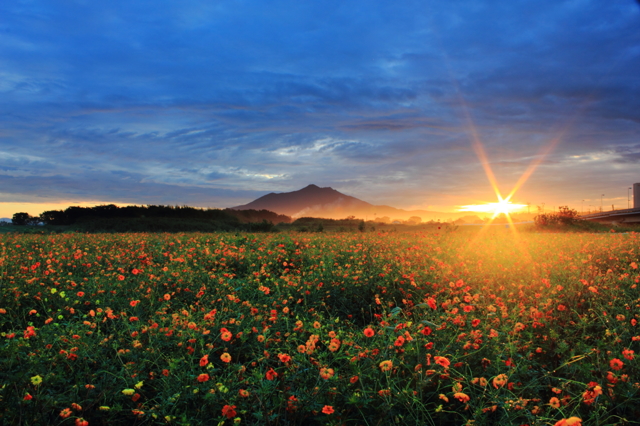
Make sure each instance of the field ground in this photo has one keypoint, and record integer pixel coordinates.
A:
(449, 326)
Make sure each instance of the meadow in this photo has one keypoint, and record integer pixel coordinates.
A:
(437, 327)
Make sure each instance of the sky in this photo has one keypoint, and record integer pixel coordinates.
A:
(216, 103)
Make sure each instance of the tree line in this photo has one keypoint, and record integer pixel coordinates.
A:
(112, 217)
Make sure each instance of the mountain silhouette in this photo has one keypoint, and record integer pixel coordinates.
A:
(313, 201)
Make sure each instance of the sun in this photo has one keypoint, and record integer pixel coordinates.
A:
(503, 206)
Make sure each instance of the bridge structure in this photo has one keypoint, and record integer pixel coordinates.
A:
(614, 216)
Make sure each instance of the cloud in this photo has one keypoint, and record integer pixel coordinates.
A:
(171, 102)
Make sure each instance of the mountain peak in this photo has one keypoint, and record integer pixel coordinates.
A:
(306, 201)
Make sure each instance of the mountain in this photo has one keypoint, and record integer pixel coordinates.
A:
(313, 201)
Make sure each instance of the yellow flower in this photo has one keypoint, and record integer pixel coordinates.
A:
(128, 392)
(36, 380)
(104, 408)
(139, 385)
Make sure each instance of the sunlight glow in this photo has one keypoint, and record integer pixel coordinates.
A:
(501, 207)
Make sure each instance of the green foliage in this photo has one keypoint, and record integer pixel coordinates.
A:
(475, 328)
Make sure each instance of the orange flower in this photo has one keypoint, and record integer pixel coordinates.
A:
(334, 345)
(571, 421)
(386, 365)
(461, 396)
(284, 358)
(500, 380)
(399, 341)
(353, 379)
(166, 297)
(369, 332)
(225, 357)
(628, 354)
(326, 373)
(327, 409)
(226, 335)
(554, 402)
(65, 413)
(243, 393)
(440, 360)
(203, 377)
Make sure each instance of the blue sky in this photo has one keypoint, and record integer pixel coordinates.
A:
(215, 103)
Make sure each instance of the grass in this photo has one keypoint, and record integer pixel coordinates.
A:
(445, 326)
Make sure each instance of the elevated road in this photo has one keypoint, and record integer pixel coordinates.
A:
(618, 216)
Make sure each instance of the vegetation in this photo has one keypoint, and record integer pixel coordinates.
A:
(564, 216)
(430, 328)
(111, 218)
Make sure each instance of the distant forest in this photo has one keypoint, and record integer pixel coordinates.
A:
(111, 218)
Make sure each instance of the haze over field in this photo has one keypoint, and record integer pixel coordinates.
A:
(215, 103)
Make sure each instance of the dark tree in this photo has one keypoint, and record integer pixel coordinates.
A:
(20, 219)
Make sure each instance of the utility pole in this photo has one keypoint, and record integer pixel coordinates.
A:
(628, 198)
(582, 206)
(601, 202)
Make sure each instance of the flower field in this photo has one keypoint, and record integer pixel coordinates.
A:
(427, 328)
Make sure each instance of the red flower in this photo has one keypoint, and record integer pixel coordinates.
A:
(271, 375)
(204, 361)
(616, 364)
(27, 397)
(327, 409)
(369, 332)
(229, 411)
(29, 332)
(284, 357)
(203, 377)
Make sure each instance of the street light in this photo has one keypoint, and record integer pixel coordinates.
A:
(582, 206)
(601, 202)
(629, 198)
